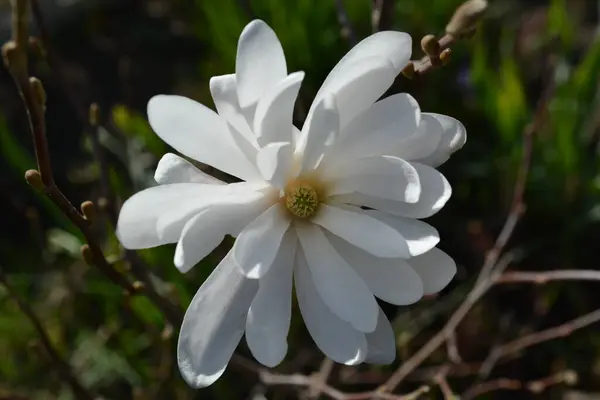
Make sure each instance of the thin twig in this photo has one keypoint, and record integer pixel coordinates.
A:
(382, 15)
(452, 349)
(61, 366)
(15, 56)
(540, 278)
(320, 378)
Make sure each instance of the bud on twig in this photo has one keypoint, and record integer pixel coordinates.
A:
(446, 56)
(88, 210)
(34, 179)
(430, 46)
(38, 91)
(94, 114)
(87, 255)
(409, 70)
(466, 17)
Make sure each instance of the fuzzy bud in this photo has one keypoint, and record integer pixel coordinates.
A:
(446, 56)
(570, 378)
(88, 210)
(34, 179)
(430, 46)
(466, 17)
(86, 254)
(38, 91)
(138, 286)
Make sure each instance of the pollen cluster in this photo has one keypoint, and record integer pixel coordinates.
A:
(301, 199)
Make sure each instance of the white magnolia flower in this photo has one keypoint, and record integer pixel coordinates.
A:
(300, 215)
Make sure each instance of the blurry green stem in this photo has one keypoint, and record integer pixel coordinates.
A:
(62, 367)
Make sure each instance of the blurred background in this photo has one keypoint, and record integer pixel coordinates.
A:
(119, 53)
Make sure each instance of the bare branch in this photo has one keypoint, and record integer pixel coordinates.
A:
(347, 31)
(382, 15)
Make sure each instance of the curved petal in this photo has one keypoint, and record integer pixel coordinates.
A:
(171, 221)
(223, 89)
(260, 62)
(336, 338)
(420, 236)
(321, 132)
(381, 343)
(214, 324)
(275, 111)
(173, 169)
(381, 176)
(270, 313)
(137, 227)
(363, 231)
(338, 284)
(435, 268)
(423, 143)
(274, 162)
(454, 137)
(391, 280)
(383, 127)
(206, 230)
(256, 246)
(435, 192)
(199, 133)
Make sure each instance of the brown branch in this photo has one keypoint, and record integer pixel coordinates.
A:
(347, 31)
(31, 91)
(382, 15)
(320, 378)
(62, 367)
(540, 278)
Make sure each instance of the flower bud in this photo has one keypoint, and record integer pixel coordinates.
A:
(88, 210)
(38, 91)
(430, 46)
(34, 179)
(465, 17)
(446, 56)
(86, 254)
(409, 71)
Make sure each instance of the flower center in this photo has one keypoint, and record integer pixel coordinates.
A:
(301, 199)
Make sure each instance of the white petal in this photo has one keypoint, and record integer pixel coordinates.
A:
(435, 192)
(214, 324)
(274, 162)
(223, 89)
(423, 143)
(363, 231)
(435, 268)
(207, 229)
(322, 130)
(381, 176)
(199, 133)
(344, 292)
(454, 137)
(248, 146)
(383, 127)
(256, 247)
(392, 280)
(275, 111)
(171, 220)
(336, 338)
(260, 62)
(137, 226)
(173, 169)
(270, 313)
(420, 236)
(381, 344)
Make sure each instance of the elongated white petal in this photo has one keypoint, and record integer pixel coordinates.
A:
(381, 343)
(336, 338)
(423, 143)
(322, 130)
(270, 313)
(260, 62)
(198, 132)
(275, 111)
(393, 48)
(435, 192)
(435, 268)
(256, 247)
(214, 324)
(391, 279)
(383, 127)
(344, 292)
(171, 221)
(223, 89)
(173, 169)
(207, 229)
(137, 226)
(275, 163)
(248, 146)
(363, 231)
(420, 236)
(381, 176)
(454, 137)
